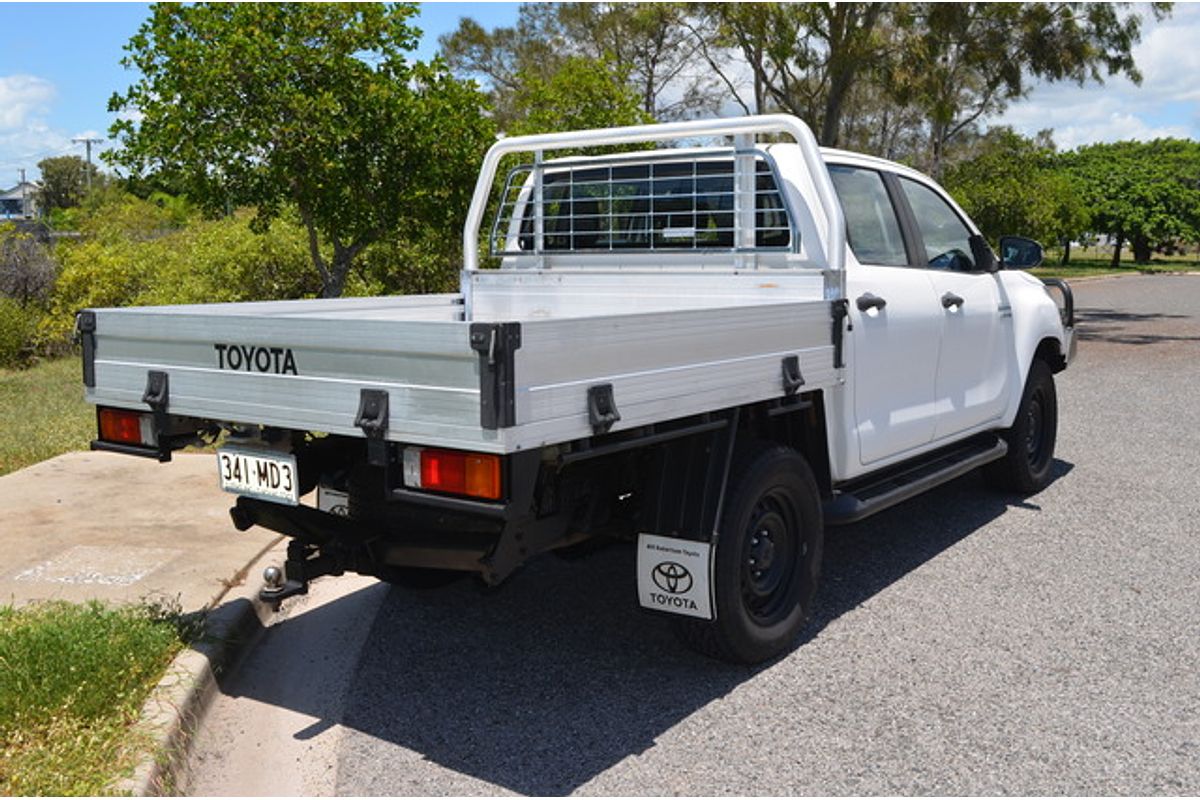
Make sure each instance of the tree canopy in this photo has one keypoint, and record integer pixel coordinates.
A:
(899, 79)
(1015, 185)
(65, 181)
(307, 106)
(1143, 193)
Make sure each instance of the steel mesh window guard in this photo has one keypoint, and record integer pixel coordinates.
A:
(677, 203)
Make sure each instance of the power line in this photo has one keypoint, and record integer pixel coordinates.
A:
(88, 143)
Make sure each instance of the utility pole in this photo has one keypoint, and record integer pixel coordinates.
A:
(24, 199)
(88, 143)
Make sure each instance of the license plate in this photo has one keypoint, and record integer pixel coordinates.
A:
(268, 476)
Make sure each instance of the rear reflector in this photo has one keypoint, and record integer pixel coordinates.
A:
(453, 472)
(125, 427)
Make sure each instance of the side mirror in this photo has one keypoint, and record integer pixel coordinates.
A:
(985, 259)
(1017, 252)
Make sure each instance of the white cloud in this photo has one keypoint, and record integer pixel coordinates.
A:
(1167, 103)
(22, 99)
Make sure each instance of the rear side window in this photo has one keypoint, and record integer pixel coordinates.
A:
(871, 224)
(945, 237)
(664, 205)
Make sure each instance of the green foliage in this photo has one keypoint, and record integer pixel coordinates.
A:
(44, 413)
(583, 93)
(1146, 193)
(65, 181)
(18, 327)
(1015, 185)
(312, 106)
(132, 257)
(74, 680)
(650, 44)
(422, 262)
(957, 62)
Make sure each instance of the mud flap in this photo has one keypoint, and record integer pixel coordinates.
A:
(675, 576)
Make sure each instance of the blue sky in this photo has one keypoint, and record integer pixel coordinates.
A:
(59, 64)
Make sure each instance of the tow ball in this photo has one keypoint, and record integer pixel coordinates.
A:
(278, 588)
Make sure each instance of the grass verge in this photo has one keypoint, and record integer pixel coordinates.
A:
(1094, 262)
(44, 413)
(72, 684)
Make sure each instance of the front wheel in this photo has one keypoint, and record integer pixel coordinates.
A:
(1025, 469)
(767, 558)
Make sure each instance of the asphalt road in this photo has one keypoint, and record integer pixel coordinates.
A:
(965, 642)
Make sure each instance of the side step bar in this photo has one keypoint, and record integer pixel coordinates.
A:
(874, 493)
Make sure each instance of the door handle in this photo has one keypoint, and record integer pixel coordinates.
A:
(951, 300)
(868, 301)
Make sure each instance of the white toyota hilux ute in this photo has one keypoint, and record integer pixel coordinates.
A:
(712, 350)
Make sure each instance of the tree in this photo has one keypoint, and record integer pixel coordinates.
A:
(805, 57)
(65, 181)
(650, 44)
(1015, 185)
(1144, 193)
(307, 106)
(955, 63)
(581, 94)
(964, 61)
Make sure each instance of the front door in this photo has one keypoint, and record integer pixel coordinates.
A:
(972, 373)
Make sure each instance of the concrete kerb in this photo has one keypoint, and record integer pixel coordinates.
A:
(176, 706)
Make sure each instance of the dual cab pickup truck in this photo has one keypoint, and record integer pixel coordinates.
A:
(713, 352)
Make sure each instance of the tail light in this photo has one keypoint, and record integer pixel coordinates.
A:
(453, 472)
(126, 427)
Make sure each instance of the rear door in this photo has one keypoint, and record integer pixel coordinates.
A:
(895, 328)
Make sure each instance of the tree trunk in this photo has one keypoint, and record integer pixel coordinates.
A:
(339, 268)
(1141, 249)
(1066, 257)
(1116, 256)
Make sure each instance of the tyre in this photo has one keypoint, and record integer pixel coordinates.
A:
(767, 558)
(1025, 469)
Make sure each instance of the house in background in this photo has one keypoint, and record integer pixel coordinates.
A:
(19, 202)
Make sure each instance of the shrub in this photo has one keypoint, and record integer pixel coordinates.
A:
(26, 268)
(205, 262)
(18, 326)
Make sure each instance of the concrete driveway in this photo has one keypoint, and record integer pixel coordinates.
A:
(966, 642)
(118, 528)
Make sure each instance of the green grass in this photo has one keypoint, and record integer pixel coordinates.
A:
(43, 413)
(1094, 262)
(73, 679)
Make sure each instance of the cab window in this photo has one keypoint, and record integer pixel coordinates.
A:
(945, 238)
(871, 225)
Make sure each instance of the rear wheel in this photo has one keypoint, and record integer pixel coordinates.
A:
(1026, 467)
(767, 560)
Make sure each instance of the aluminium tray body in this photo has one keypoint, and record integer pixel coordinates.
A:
(303, 364)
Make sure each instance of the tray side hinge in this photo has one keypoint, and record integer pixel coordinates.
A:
(840, 310)
(793, 379)
(496, 343)
(158, 397)
(602, 408)
(372, 418)
(85, 334)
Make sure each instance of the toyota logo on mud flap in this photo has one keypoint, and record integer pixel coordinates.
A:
(671, 577)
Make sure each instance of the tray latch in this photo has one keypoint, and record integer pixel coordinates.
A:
(602, 408)
(373, 419)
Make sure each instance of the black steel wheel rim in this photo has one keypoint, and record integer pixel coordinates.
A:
(1035, 433)
(772, 548)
